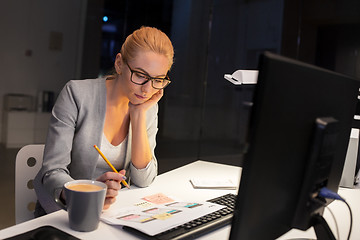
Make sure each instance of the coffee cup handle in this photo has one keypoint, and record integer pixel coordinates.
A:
(58, 201)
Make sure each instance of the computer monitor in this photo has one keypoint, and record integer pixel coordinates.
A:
(298, 136)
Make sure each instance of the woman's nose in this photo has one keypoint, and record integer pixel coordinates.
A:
(146, 87)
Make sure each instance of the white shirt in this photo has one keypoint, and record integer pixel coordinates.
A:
(115, 155)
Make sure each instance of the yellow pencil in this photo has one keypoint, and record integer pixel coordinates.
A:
(112, 167)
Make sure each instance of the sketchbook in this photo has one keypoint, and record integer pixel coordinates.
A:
(158, 213)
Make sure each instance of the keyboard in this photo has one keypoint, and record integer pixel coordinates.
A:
(199, 226)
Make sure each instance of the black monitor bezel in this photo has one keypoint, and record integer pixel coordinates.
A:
(289, 96)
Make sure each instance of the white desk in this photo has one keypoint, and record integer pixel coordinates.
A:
(176, 183)
(173, 183)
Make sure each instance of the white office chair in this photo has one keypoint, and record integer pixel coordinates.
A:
(28, 162)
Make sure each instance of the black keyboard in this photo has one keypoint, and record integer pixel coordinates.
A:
(199, 226)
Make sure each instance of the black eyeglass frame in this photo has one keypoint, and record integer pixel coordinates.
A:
(167, 78)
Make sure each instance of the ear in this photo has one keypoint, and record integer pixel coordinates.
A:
(118, 63)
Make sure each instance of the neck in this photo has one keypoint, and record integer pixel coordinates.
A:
(115, 95)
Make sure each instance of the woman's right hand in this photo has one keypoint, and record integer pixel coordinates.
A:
(113, 182)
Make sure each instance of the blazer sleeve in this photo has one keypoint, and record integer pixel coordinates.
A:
(57, 153)
(144, 177)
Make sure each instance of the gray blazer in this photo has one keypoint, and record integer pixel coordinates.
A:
(77, 124)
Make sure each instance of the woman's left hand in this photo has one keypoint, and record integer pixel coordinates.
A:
(112, 180)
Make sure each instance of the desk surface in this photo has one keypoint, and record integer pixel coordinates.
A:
(176, 183)
(173, 183)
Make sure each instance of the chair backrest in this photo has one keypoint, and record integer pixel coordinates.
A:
(28, 162)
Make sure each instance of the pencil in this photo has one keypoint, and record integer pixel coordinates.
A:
(112, 167)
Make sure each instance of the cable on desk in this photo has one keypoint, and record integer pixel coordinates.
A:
(336, 224)
(350, 219)
(327, 193)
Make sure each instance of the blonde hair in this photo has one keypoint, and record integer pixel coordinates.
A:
(147, 39)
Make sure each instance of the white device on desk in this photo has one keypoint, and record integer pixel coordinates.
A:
(348, 175)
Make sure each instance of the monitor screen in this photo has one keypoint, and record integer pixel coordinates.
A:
(298, 136)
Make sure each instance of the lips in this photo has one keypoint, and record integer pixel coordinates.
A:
(140, 97)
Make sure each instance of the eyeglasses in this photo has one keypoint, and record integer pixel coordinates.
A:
(141, 78)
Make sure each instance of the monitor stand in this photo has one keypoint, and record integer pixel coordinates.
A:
(320, 160)
(322, 229)
(325, 137)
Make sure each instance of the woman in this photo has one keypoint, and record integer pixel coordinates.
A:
(117, 113)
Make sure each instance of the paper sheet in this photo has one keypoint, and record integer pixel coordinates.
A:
(213, 183)
(153, 218)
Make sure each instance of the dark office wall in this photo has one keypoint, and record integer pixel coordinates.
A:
(205, 116)
(92, 38)
(179, 133)
(184, 96)
(240, 32)
(324, 33)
